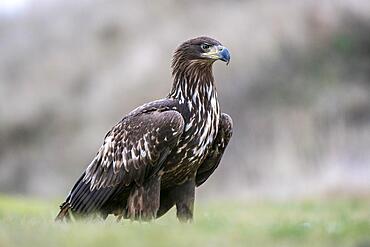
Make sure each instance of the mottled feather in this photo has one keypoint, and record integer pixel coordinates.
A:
(130, 152)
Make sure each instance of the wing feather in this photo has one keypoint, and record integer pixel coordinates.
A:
(133, 150)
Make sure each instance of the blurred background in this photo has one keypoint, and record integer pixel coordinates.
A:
(297, 88)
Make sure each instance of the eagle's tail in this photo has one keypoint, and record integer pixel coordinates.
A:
(64, 212)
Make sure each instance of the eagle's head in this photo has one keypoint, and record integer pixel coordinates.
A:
(200, 50)
(192, 65)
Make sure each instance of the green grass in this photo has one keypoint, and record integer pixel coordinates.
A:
(25, 222)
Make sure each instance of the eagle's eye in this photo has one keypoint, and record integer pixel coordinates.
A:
(205, 46)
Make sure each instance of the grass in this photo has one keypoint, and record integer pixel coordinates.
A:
(27, 222)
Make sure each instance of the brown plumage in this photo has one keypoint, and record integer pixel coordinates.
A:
(156, 155)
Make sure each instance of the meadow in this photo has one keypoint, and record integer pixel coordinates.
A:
(314, 222)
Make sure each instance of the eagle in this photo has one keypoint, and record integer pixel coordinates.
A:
(155, 157)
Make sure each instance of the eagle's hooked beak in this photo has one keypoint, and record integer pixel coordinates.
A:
(224, 54)
(218, 52)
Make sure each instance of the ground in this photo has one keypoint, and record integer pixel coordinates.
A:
(315, 222)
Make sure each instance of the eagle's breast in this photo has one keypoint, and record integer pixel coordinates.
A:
(201, 128)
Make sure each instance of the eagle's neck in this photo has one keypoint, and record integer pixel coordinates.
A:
(193, 84)
(194, 88)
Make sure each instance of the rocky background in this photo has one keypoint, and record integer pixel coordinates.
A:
(297, 87)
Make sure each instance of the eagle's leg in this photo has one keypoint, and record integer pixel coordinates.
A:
(143, 201)
(182, 196)
(185, 201)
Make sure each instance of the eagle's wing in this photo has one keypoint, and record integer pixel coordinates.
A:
(133, 150)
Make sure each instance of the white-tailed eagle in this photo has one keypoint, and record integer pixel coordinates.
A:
(156, 155)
